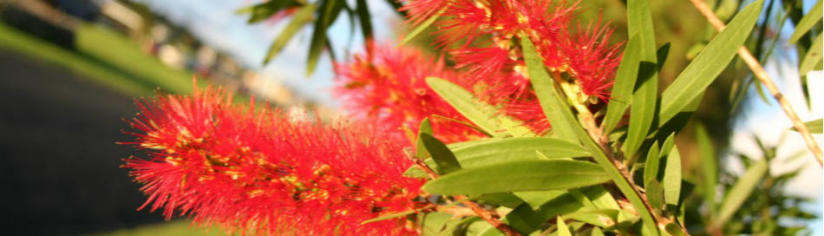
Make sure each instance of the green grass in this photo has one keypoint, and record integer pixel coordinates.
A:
(104, 57)
(179, 227)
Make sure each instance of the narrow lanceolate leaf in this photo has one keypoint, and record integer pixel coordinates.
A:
(420, 28)
(530, 175)
(596, 232)
(807, 22)
(814, 126)
(652, 164)
(549, 97)
(481, 114)
(551, 101)
(642, 114)
(709, 168)
(365, 19)
(672, 177)
(813, 56)
(301, 18)
(420, 148)
(512, 149)
(668, 144)
(624, 83)
(655, 193)
(265, 10)
(327, 14)
(563, 229)
(739, 192)
(699, 74)
(444, 159)
(517, 149)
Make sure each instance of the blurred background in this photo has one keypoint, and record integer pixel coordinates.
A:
(71, 69)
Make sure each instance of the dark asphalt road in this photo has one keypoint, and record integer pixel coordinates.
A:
(58, 158)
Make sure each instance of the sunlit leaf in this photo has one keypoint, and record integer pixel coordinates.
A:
(739, 192)
(709, 168)
(813, 56)
(652, 164)
(563, 229)
(807, 22)
(516, 149)
(644, 97)
(481, 114)
(551, 101)
(625, 77)
(421, 27)
(301, 18)
(420, 148)
(265, 10)
(815, 126)
(672, 177)
(699, 74)
(531, 175)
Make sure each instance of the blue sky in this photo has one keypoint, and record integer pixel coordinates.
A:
(215, 22)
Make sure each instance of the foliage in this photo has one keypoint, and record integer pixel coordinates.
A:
(520, 128)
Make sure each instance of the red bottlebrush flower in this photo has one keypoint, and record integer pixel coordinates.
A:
(389, 87)
(420, 10)
(258, 172)
(592, 60)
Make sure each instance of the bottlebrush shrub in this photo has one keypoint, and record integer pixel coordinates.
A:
(260, 172)
(520, 139)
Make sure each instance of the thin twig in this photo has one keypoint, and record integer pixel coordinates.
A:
(489, 216)
(762, 76)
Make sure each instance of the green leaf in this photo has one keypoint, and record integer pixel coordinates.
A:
(549, 97)
(301, 18)
(807, 22)
(596, 232)
(415, 172)
(739, 192)
(813, 56)
(389, 216)
(498, 199)
(444, 159)
(365, 19)
(642, 114)
(434, 223)
(666, 147)
(815, 126)
(420, 28)
(552, 104)
(563, 229)
(709, 168)
(600, 218)
(600, 197)
(327, 14)
(652, 164)
(674, 230)
(536, 199)
(625, 78)
(481, 114)
(655, 194)
(265, 10)
(531, 175)
(699, 74)
(672, 177)
(420, 148)
(511, 149)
